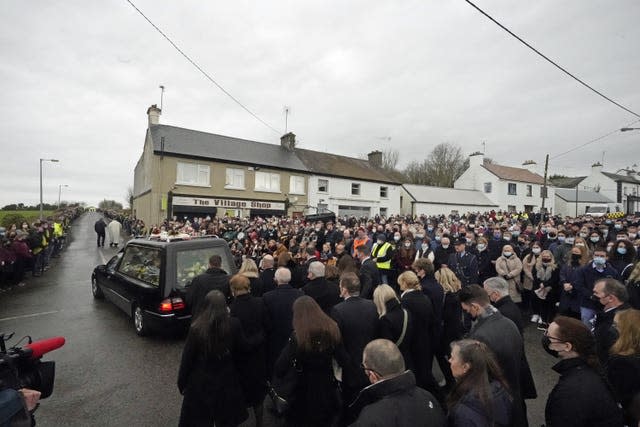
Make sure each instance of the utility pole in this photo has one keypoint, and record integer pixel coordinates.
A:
(286, 118)
(544, 186)
(161, 96)
(576, 201)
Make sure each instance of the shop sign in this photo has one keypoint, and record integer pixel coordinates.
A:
(227, 203)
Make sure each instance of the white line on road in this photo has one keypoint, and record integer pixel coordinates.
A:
(44, 313)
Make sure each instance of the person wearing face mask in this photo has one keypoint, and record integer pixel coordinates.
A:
(362, 239)
(612, 296)
(463, 263)
(509, 267)
(622, 257)
(569, 298)
(495, 244)
(595, 241)
(563, 247)
(586, 278)
(404, 256)
(501, 335)
(442, 252)
(581, 397)
(486, 268)
(546, 281)
(528, 263)
(382, 254)
(424, 250)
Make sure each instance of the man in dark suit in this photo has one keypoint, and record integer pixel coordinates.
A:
(613, 296)
(215, 278)
(498, 290)
(267, 275)
(369, 273)
(326, 294)
(357, 319)
(464, 264)
(501, 335)
(279, 303)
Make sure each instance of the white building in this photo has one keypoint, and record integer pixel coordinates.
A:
(574, 202)
(622, 189)
(426, 200)
(512, 189)
(350, 186)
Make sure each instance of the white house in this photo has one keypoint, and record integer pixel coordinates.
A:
(350, 186)
(426, 200)
(623, 189)
(512, 189)
(574, 202)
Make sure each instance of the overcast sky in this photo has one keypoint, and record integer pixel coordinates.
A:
(76, 78)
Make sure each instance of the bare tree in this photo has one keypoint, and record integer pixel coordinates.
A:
(444, 164)
(390, 159)
(129, 197)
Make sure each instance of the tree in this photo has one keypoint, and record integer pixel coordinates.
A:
(110, 205)
(390, 159)
(444, 164)
(129, 197)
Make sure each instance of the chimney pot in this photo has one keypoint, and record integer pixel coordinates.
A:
(375, 158)
(154, 113)
(288, 141)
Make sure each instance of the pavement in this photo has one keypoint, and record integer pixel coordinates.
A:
(106, 375)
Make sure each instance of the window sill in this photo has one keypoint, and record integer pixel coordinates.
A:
(230, 187)
(187, 184)
(297, 194)
(262, 190)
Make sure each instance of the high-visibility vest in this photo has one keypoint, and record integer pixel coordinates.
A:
(380, 251)
(57, 229)
(357, 243)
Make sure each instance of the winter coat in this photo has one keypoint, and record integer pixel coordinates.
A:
(623, 373)
(452, 327)
(581, 398)
(470, 412)
(528, 262)
(604, 332)
(510, 269)
(210, 384)
(391, 329)
(100, 226)
(397, 402)
(326, 294)
(510, 310)
(486, 268)
(252, 365)
(201, 285)
(569, 301)
(586, 277)
(541, 278)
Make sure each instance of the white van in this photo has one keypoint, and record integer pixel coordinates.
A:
(597, 211)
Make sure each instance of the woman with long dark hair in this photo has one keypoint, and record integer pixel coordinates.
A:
(582, 397)
(208, 378)
(480, 396)
(313, 345)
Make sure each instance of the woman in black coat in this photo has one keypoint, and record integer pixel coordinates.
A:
(314, 344)
(546, 287)
(486, 268)
(623, 366)
(394, 323)
(208, 378)
(252, 365)
(581, 397)
(569, 297)
(423, 324)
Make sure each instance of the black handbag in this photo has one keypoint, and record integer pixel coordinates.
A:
(282, 389)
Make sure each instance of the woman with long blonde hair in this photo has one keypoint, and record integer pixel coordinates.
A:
(249, 269)
(452, 326)
(394, 323)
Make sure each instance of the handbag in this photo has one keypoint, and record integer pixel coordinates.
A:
(282, 389)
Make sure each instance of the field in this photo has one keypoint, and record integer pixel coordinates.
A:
(29, 216)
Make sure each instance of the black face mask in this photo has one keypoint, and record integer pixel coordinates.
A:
(575, 257)
(546, 341)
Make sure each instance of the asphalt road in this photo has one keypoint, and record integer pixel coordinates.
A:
(108, 376)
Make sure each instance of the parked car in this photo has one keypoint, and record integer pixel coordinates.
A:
(148, 279)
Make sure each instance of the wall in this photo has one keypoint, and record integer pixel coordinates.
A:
(438, 209)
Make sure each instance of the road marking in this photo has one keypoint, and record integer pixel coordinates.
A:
(104, 260)
(44, 313)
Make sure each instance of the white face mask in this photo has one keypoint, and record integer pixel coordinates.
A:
(424, 246)
(396, 238)
(445, 246)
(536, 250)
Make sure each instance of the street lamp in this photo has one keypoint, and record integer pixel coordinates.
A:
(628, 129)
(60, 192)
(43, 160)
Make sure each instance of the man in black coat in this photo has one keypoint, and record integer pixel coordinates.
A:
(613, 296)
(357, 319)
(100, 226)
(442, 252)
(301, 271)
(464, 264)
(498, 290)
(267, 275)
(279, 303)
(215, 278)
(326, 294)
(501, 335)
(369, 273)
(392, 399)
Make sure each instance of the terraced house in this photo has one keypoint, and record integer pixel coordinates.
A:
(187, 173)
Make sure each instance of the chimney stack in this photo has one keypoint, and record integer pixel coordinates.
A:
(596, 168)
(154, 115)
(375, 158)
(288, 141)
(476, 159)
(531, 166)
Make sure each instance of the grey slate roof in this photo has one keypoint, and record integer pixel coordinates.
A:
(623, 178)
(567, 182)
(192, 143)
(569, 195)
(448, 196)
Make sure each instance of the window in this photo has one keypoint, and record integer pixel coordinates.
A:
(323, 185)
(193, 174)
(142, 264)
(384, 192)
(296, 185)
(191, 262)
(266, 181)
(511, 208)
(234, 179)
(355, 189)
(487, 187)
(383, 212)
(512, 189)
(529, 190)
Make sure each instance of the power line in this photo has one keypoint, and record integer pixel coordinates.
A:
(204, 73)
(552, 62)
(592, 141)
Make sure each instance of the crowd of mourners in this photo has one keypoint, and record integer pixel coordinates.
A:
(343, 319)
(28, 248)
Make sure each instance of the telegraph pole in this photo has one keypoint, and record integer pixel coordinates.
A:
(544, 186)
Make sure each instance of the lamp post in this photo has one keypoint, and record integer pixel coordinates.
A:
(43, 160)
(60, 192)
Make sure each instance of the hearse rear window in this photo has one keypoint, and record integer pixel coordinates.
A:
(190, 263)
(142, 263)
